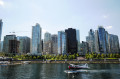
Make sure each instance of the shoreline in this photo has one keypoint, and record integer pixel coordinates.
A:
(16, 62)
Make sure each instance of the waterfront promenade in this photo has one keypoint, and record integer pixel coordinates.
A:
(97, 61)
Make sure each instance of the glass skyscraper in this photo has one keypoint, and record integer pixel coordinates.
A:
(91, 41)
(24, 46)
(1, 24)
(96, 42)
(1, 46)
(47, 37)
(47, 46)
(36, 40)
(102, 39)
(54, 44)
(113, 43)
(61, 42)
(84, 48)
(78, 40)
(107, 42)
(7, 38)
(71, 40)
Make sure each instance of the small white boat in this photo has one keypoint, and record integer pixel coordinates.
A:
(72, 66)
(26, 62)
(4, 62)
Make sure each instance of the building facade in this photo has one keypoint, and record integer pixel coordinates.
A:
(91, 41)
(54, 44)
(1, 25)
(71, 40)
(61, 42)
(6, 42)
(96, 42)
(24, 46)
(104, 42)
(47, 37)
(14, 47)
(84, 48)
(113, 43)
(36, 40)
(78, 40)
(47, 45)
(42, 45)
(107, 42)
(102, 39)
(1, 46)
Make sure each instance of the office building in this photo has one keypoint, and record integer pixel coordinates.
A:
(6, 42)
(84, 48)
(36, 40)
(47, 45)
(102, 40)
(1, 25)
(1, 46)
(96, 42)
(107, 42)
(47, 37)
(61, 42)
(113, 43)
(71, 40)
(42, 45)
(13, 47)
(1, 43)
(90, 39)
(24, 46)
(54, 44)
(78, 40)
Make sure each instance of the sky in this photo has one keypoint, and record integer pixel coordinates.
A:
(55, 15)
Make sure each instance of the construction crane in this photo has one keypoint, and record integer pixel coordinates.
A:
(13, 32)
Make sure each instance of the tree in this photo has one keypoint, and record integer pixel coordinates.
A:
(57, 57)
(98, 56)
(70, 57)
(111, 55)
(34, 57)
(61, 57)
(102, 55)
(77, 55)
(30, 57)
(65, 57)
(117, 55)
(87, 56)
(74, 56)
(91, 56)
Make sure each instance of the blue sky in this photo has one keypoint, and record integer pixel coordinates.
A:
(56, 15)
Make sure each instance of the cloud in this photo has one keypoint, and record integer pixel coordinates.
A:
(108, 27)
(1, 3)
(43, 31)
(105, 16)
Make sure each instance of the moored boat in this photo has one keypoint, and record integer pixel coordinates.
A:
(26, 62)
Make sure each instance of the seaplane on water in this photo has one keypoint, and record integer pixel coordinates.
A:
(72, 66)
(77, 68)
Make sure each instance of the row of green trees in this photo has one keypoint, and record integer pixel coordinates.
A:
(62, 57)
(51, 57)
(100, 56)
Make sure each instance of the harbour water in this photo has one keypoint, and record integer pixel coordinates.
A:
(56, 71)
